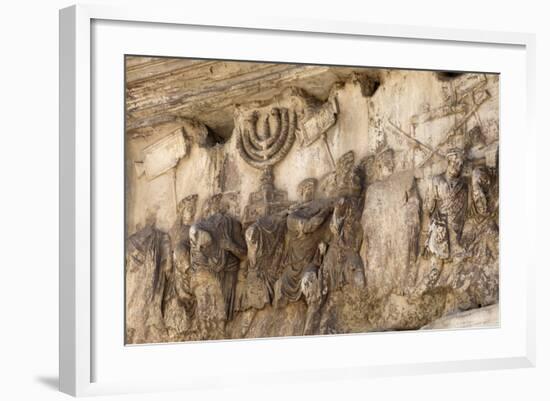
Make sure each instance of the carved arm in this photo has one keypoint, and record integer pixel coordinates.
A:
(234, 248)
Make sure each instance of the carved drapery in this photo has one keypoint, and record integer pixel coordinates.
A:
(400, 232)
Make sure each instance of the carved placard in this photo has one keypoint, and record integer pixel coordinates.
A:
(319, 123)
(467, 82)
(164, 154)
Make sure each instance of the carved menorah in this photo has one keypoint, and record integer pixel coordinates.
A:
(264, 139)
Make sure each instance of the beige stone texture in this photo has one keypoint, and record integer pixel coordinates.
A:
(414, 241)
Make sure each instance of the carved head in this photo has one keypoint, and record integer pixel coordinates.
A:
(481, 178)
(187, 207)
(455, 161)
(213, 205)
(475, 137)
(345, 163)
(480, 185)
(306, 189)
(384, 163)
(433, 275)
(448, 93)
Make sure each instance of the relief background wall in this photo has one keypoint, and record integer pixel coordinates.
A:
(398, 125)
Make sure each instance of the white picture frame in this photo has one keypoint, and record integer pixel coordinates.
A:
(83, 352)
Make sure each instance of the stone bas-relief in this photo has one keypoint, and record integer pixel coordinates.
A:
(271, 200)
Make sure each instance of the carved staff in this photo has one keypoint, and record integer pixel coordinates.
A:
(452, 131)
(422, 145)
(329, 152)
(317, 125)
(459, 124)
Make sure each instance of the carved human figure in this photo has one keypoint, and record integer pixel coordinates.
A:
(306, 228)
(348, 182)
(265, 244)
(448, 206)
(148, 263)
(345, 180)
(384, 163)
(379, 166)
(311, 286)
(217, 247)
(343, 264)
(448, 200)
(484, 193)
(212, 205)
(480, 277)
(179, 308)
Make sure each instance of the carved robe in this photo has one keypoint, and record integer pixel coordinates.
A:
(148, 262)
(342, 264)
(180, 303)
(480, 277)
(181, 246)
(265, 240)
(449, 199)
(306, 230)
(215, 267)
(448, 204)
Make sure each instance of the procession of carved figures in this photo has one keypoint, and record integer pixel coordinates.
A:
(394, 240)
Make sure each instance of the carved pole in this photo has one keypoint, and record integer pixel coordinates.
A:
(325, 142)
(423, 146)
(175, 175)
(452, 130)
(317, 125)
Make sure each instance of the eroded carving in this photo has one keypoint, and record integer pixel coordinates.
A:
(217, 247)
(265, 138)
(396, 232)
(265, 241)
(224, 203)
(148, 264)
(342, 264)
(267, 200)
(448, 202)
(306, 230)
(345, 180)
(179, 307)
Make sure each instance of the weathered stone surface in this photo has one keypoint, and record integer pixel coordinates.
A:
(391, 220)
(148, 264)
(267, 200)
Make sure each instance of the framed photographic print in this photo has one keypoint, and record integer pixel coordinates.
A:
(339, 199)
